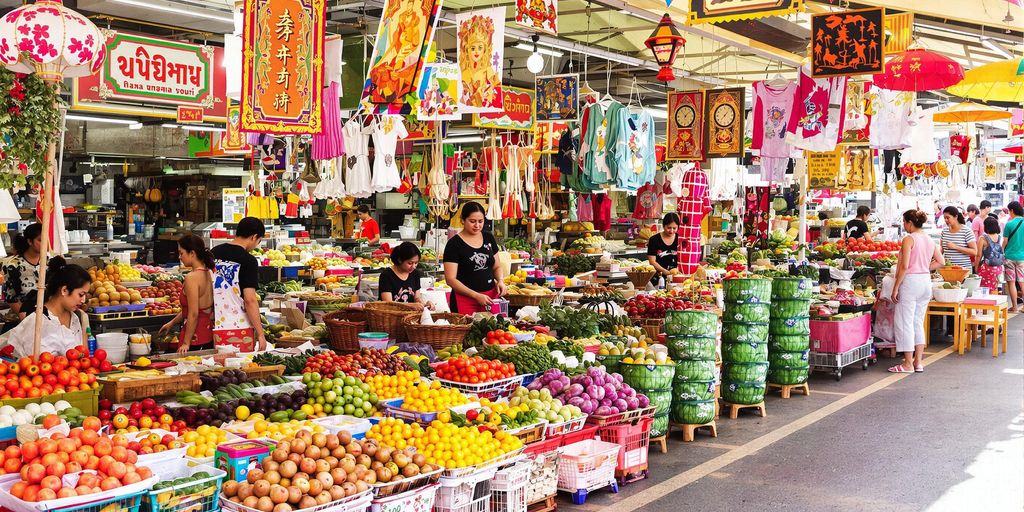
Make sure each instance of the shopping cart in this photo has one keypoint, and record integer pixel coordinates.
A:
(835, 362)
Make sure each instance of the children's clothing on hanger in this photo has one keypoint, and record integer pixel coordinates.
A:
(633, 151)
(648, 202)
(819, 112)
(772, 109)
(602, 212)
(960, 147)
(922, 148)
(890, 118)
(330, 143)
(585, 207)
(357, 162)
(386, 132)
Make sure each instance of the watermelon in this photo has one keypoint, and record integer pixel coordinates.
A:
(792, 288)
(693, 390)
(695, 369)
(787, 375)
(743, 312)
(790, 308)
(793, 326)
(661, 399)
(744, 352)
(691, 323)
(690, 347)
(790, 359)
(737, 332)
(647, 376)
(693, 412)
(660, 425)
(744, 372)
(751, 290)
(743, 393)
(788, 343)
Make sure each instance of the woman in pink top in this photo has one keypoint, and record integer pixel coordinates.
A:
(913, 290)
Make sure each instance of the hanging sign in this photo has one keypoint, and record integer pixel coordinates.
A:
(859, 167)
(558, 97)
(685, 139)
(282, 66)
(546, 136)
(232, 204)
(899, 32)
(234, 140)
(142, 71)
(518, 112)
(723, 111)
(848, 43)
(188, 114)
(481, 47)
(439, 92)
(855, 126)
(1016, 122)
(419, 129)
(717, 11)
(403, 39)
(540, 15)
(823, 168)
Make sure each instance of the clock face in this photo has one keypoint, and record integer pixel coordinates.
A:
(685, 116)
(724, 115)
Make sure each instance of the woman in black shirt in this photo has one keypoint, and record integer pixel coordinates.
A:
(858, 226)
(469, 264)
(401, 281)
(663, 248)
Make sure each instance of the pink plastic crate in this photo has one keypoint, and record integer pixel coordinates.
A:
(835, 337)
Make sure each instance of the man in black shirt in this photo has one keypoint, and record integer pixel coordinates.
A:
(248, 234)
(858, 226)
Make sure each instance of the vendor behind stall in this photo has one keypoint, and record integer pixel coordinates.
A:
(401, 281)
(66, 288)
(21, 271)
(858, 226)
(368, 228)
(663, 249)
(470, 267)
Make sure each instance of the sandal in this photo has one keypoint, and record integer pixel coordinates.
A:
(919, 369)
(899, 369)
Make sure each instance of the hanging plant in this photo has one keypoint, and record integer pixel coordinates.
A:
(29, 122)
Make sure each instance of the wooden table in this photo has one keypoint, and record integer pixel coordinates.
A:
(1000, 317)
(942, 309)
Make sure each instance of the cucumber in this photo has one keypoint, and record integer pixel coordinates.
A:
(276, 379)
(279, 417)
(299, 415)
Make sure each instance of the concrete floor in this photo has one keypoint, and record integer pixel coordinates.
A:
(950, 439)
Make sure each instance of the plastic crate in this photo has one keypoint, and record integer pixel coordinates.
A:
(554, 429)
(355, 503)
(480, 505)
(836, 337)
(123, 499)
(509, 501)
(622, 417)
(460, 492)
(543, 476)
(195, 496)
(130, 503)
(587, 465)
(511, 477)
(634, 440)
(418, 500)
(585, 433)
(490, 390)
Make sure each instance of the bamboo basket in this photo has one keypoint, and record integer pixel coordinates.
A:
(640, 278)
(343, 328)
(652, 326)
(387, 317)
(519, 301)
(437, 336)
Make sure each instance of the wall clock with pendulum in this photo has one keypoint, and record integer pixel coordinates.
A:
(724, 110)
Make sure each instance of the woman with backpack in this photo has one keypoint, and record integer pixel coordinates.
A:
(990, 258)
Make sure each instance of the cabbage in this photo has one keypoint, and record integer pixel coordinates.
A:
(536, 385)
(587, 407)
(595, 371)
(586, 380)
(610, 390)
(606, 402)
(577, 401)
(644, 402)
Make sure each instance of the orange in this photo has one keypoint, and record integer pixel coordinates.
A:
(93, 423)
(103, 447)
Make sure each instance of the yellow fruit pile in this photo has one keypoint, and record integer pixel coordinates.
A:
(499, 408)
(446, 445)
(391, 386)
(278, 431)
(202, 442)
(432, 397)
(105, 291)
(517, 277)
(395, 433)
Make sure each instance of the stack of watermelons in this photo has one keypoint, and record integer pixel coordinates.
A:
(690, 336)
(745, 324)
(655, 382)
(789, 339)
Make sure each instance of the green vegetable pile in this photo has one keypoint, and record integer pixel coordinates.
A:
(569, 348)
(481, 327)
(517, 244)
(528, 357)
(572, 264)
(569, 322)
(293, 365)
(727, 247)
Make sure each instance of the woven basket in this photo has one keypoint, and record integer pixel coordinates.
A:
(387, 317)
(528, 300)
(640, 278)
(652, 326)
(343, 328)
(437, 336)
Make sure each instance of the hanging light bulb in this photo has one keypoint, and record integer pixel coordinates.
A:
(535, 63)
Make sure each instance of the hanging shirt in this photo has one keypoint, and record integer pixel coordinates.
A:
(386, 132)
(890, 118)
(329, 143)
(357, 162)
(648, 202)
(633, 150)
(960, 147)
(566, 158)
(772, 108)
(922, 148)
(819, 111)
(595, 140)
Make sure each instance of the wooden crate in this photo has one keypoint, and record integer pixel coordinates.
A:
(132, 390)
(262, 372)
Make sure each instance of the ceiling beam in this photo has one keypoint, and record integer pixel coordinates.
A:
(972, 12)
(617, 30)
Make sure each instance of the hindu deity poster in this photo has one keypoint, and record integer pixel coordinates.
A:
(439, 93)
(685, 126)
(540, 15)
(398, 55)
(481, 49)
(558, 97)
(723, 109)
(848, 43)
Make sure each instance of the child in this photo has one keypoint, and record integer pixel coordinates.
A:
(990, 256)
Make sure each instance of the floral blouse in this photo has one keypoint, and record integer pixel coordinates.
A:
(21, 277)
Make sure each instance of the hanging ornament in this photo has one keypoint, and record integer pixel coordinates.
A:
(665, 43)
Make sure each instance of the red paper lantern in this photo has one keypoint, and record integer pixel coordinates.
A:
(665, 43)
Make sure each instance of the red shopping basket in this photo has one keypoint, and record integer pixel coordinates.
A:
(588, 432)
(634, 439)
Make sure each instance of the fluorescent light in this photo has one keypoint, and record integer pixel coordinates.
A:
(193, 128)
(97, 119)
(987, 42)
(942, 28)
(463, 140)
(540, 49)
(176, 10)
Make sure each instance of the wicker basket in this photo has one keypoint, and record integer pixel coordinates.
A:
(519, 301)
(437, 336)
(343, 328)
(640, 279)
(954, 274)
(387, 317)
(652, 326)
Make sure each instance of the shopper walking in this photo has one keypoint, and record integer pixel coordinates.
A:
(21, 271)
(66, 289)
(401, 281)
(958, 243)
(663, 248)
(990, 259)
(470, 266)
(1013, 246)
(912, 290)
(236, 305)
(196, 296)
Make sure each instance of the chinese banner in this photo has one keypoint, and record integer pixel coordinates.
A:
(520, 106)
(540, 15)
(685, 139)
(439, 92)
(1016, 122)
(399, 53)
(823, 168)
(234, 141)
(481, 46)
(899, 32)
(717, 11)
(152, 76)
(282, 66)
(848, 43)
(724, 110)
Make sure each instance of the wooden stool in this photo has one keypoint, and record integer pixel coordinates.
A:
(994, 316)
(942, 309)
(661, 440)
(786, 388)
(734, 409)
(690, 430)
(543, 505)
